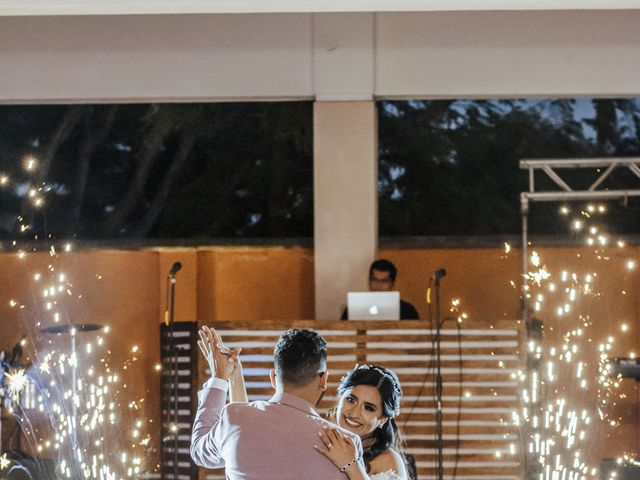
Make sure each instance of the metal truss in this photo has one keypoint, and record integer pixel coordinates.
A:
(595, 191)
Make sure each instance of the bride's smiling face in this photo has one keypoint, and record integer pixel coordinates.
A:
(360, 410)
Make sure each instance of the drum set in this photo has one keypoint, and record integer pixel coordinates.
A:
(21, 387)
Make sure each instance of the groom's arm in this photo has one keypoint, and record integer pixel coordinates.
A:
(208, 428)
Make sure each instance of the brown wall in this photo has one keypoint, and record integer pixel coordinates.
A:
(126, 290)
(479, 277)
(242, 283)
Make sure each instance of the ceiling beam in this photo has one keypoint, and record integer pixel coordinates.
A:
(149, 7)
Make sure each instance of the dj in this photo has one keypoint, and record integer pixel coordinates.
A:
(382, 278)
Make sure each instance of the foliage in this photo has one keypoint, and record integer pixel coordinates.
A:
(216, 170)
(451, 167)
(162, 170)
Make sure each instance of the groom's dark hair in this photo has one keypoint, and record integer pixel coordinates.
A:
(299, 356)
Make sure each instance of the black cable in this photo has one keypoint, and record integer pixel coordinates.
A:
(439, 387)
(174, 354)
(459, 416)
(430, 366)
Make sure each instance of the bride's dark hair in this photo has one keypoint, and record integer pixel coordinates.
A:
(387, 436)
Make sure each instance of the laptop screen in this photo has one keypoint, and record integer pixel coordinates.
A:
(373, 305)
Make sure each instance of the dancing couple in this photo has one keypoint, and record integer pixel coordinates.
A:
(285, 437)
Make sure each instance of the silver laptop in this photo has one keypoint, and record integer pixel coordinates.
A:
(373, 305)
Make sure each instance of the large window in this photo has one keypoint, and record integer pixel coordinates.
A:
(451, 167)
(157, 170)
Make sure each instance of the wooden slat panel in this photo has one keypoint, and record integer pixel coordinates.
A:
(185, 362)
(278, 326)
(477, 427)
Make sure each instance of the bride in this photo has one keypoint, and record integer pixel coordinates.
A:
(368, 403)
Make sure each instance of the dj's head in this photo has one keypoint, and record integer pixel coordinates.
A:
(382, 276)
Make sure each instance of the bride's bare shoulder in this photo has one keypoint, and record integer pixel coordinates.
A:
(389, 460)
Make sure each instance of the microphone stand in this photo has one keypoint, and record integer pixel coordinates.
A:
(439, 388)
(174, 354)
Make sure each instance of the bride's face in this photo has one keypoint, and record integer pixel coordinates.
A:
(360, 410)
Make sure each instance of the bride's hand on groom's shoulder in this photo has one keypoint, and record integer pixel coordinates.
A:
(223, 361)
(336, 447)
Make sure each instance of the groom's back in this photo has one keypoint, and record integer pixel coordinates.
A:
(274, 441)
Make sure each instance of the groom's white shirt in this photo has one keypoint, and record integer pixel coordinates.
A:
(261, 440)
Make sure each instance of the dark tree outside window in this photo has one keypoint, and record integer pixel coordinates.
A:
(194, 171)
(451, 167)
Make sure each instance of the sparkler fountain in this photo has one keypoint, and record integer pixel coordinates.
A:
(73, 385)
(555, 420)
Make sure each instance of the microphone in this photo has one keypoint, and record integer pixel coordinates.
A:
(175, 269)
(441, 272)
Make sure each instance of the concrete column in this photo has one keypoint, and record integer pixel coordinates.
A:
(345, 203)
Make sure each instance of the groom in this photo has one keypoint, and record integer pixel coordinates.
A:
(266, 440)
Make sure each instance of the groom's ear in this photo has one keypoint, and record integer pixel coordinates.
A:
(272, 376)
(323, 380)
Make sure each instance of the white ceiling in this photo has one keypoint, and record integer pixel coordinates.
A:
(129, 7)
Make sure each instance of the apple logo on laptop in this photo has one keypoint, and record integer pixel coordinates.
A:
(373, 310)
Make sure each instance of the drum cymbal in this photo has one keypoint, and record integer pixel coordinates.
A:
(67, 327)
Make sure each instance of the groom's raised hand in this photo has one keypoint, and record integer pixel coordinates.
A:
(222, 360)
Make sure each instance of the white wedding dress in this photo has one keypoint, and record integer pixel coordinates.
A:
(388, 475)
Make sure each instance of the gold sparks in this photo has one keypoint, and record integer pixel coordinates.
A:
(30, 163)
(17, 381)
(538, 277)
(535, 259)
(97, 407)
(554, 416)
(44, 364)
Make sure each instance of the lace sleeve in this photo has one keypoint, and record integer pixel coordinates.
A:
(388, 475)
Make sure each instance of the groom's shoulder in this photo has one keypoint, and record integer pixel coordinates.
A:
(244, 408)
